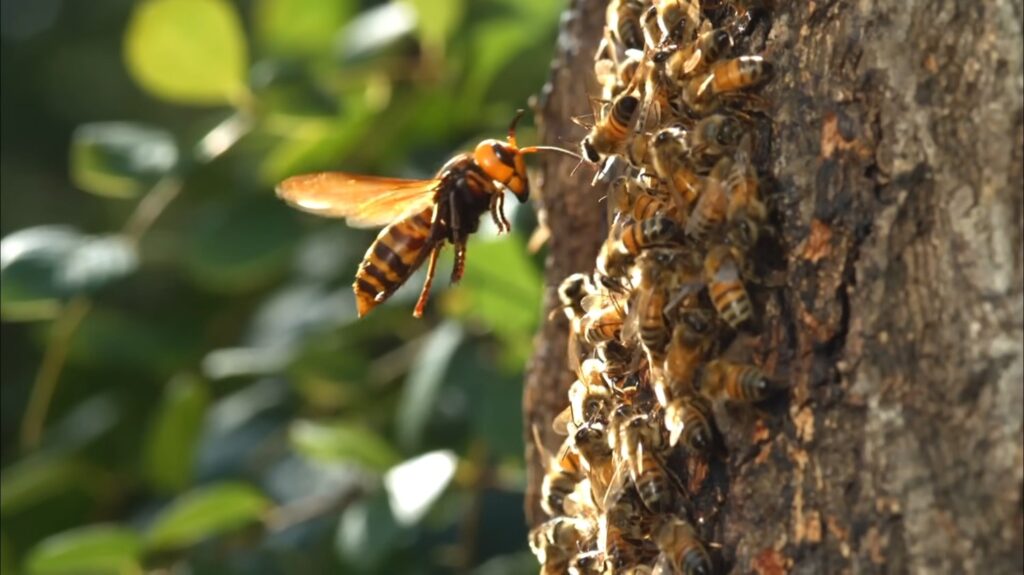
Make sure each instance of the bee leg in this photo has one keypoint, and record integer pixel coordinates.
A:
(498, 211)
(421, 303)
(460, 261)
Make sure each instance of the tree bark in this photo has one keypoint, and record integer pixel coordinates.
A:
(896, 155)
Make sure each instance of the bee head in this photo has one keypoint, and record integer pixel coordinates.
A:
(503, 163)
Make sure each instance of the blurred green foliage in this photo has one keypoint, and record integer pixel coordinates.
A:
(185, 386)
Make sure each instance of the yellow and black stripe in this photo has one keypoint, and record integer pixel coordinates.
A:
(398, 251)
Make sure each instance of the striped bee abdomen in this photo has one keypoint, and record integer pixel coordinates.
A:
(396, 254)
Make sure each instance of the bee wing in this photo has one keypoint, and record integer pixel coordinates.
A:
(631, 323)
(364, 201)
(563, 424)
(727, 271)
(616, 486)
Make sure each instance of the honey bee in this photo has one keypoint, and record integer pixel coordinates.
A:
(651, 28)
(722, 273)
(636, 441)
(612, 131)
(693, 57)
(671, 161)
(688, 418)
(745, 212)
(653, 329)
(612, 265)
(561, 476)
(571, 292)
(420, 215)
(555, 541)
(678, 20)
(691, 342)
(623, 22)
(590, 442)
(630, 198)
(619, 360)
(714, 136)
(616, 77)
(681, 550)
(712, 207)
(589, 563)
(623, 509)
(659, 230)
(600, 324)
(722, 379)
(699, 94)
(621, 552)
(589, 398)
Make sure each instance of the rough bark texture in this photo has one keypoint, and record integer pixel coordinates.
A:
(898, 132)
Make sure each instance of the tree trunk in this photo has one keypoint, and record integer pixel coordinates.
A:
(896, 152)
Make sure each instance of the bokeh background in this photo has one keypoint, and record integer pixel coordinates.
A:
(185, 388)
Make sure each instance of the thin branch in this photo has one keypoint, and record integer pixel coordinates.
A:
(45, 385)
(74, 311)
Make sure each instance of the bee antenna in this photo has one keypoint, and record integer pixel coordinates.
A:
(512, 126)
(535, 149)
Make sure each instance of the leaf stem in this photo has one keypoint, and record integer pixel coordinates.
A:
(74, 311)
(45, 384)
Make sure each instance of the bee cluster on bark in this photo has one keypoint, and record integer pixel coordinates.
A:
(658, 330)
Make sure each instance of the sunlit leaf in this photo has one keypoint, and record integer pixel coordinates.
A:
(120, 159)
(94, 549)
(242, 245)
(342, 441)
(374, 29)
(222, 137)
(426, 376)
(415, 484)
(170, 446)
(300, 27)
(205, 512)
(41, 265)
(28, 260)
(187, 51)
(437, 20)
(95, 262)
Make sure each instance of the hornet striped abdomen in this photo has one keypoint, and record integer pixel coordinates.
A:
(396, 254)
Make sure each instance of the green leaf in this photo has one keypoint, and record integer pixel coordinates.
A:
(187, 51)
(120, 159)
(300, 27)
(437, 20)
(40, 266)
(427, 374)
(112, 338)
(493, 45)
(502, 289)
(242, 245)
(40, 477)
(28, 259)
(205, 512)
(170, 448)
(342, 441)
(95, 262)
(93, 549)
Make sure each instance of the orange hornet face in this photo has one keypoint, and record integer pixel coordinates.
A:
(503, 162)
